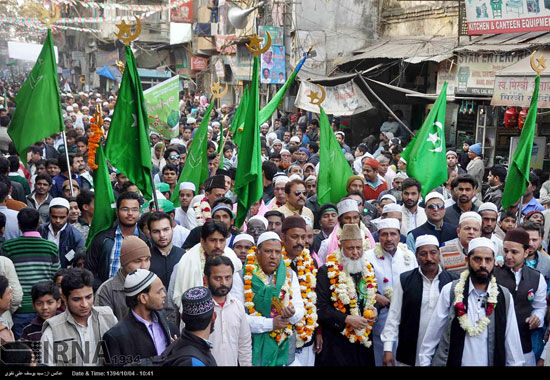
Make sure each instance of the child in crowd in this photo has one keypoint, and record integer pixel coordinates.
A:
(45, 301)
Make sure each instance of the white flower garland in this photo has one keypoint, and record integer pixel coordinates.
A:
(481, 324)
(344, 293)
(306, 273)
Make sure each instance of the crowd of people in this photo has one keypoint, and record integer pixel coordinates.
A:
(383, 277)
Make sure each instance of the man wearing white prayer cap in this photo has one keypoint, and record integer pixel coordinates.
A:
(256, 226)
(185, 215)
(391, 210)
(389, 258)
(454, 252)
(242, 244)
(434, 207)
(413, 302)
(490, 337)
(489, 216)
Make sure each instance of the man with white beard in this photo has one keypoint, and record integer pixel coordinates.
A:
(346, 293)
(389, 258)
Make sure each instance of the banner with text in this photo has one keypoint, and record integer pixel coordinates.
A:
(162, 102)
(514, 91)
(507, 16)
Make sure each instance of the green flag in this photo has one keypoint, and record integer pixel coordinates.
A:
(248, 179)
(334, 169)
(38, 113)
(517, 179)
(196, 163)
(104, 199)
(426, 153)
(128, 146)
(238, 119)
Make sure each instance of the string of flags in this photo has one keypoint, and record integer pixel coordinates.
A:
(128, 7)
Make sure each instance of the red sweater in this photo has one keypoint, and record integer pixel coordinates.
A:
(373, 193)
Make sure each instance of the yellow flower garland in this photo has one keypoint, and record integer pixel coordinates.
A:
(343, 293)
(307, 274)
(253, 268)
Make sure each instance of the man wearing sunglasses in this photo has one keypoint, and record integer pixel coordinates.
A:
(296, 195)
(435, 225)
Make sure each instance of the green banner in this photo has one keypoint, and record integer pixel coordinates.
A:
(162, 103)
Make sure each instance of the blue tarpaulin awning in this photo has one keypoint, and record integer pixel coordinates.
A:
(106, 72)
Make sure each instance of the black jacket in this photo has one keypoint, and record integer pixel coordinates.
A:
(189, 351)
(70, 239)
(129, 341)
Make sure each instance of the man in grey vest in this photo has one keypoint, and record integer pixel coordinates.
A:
(413, 302)
(474, 322)
(527, 286)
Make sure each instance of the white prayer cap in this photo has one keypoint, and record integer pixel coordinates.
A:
(241, 237)
(277, 141)
(389, 223)
(188, 186)
(261, 219)
(271, 136)
(70, 108)
(210, 129)
(97, 94)
(391, 207)
(347, 205)
(295, 139)
(480, 242)
(280, 178)
(191, 120)
(390, 197)
(283, 151)
(308, 220)
(470, 215)
(294, 176)
(401, 175)
(98, 100)
(311, 178)
(433, 195)
(403, 160)
(69, 95)
(84, 108)
(340, 133)
(488, 206)
(265, 125)
(107, 119)
(269, 235)
(111, 97)
(105, 104)
(136, 281)
(174, 140)
(60, 202)
(216, 123)
(423, 240)
(80, 93)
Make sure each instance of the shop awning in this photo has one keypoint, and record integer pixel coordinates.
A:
(507, 42)
(514, 85)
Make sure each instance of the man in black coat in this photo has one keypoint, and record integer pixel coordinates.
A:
(145, 332)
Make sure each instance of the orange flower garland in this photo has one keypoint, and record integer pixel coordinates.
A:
(95, 139)
(253, 268)
(307, 278)
(343, 292)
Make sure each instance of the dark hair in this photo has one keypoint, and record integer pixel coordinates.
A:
(4, 283)
(45, 176)
(171, 167)
(270, 169)
(83, 139)
(52, 161)
(85, 197)
(63, 163)
(43, 288)
(212, 226)
(461, 179)
(156, 216)
(508, 214)
(223, 200)
(76, 278)
(534, 179)
(35, 149)
(499, 171)
(216, 261)
(28, 219)
(4, 191)
(313, 146)
(532, 226)
(275, 154)
(143, 220)
(125, 186)
(275, 213)
(410, 182)
(2, 220)
(6, 181)
(14, 163)
(359, 193)
(126, 195)
(4, 165)
(132, 301)
(60, 272)
(292, 183)
(16, 353)
(293, 148)
(170, 149)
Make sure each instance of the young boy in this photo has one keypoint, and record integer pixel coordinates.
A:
(507, 221)
(45, 301)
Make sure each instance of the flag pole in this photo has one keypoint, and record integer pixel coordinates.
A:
(154, 192)
(68, 164)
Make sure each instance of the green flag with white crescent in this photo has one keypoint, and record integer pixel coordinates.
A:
(426, 153)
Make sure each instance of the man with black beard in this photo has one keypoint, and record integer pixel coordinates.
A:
(413, 215)
(474, 322)
(231, 339)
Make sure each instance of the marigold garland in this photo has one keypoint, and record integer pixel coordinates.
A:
(307, 274)
(343, 292)
(252, 268)
(203, 211)
(95, 139)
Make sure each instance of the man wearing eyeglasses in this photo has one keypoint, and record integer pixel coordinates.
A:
(435, 225)
(296, 195)
(103, 256)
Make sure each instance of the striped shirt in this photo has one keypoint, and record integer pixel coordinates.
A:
(35, 259)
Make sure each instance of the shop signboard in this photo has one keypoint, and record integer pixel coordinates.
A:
(537, 155)
(182, 13)
(275, 32)
(507, 16)
(514, 91)
(198, 63)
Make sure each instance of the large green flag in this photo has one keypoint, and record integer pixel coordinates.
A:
(334, 169)
(517, 179)
(38, 113)
(128, 146)
(104, 199)
(426, 153)
(238, 119)
(196, 163)
(248, 179)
